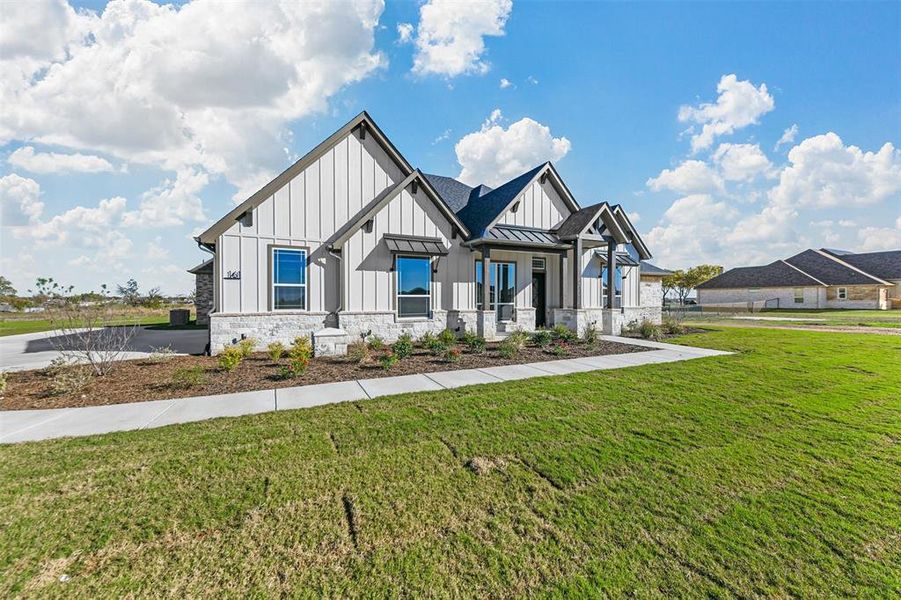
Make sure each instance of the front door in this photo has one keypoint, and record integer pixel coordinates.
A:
(538, 297)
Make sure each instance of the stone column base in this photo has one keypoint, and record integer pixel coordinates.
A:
(486, 324)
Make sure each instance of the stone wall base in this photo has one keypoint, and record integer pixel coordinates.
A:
(634, 315)
(525, 319)
(462, 321)
(331, 341)
(579, 319)
(227, 329)
(387, 326)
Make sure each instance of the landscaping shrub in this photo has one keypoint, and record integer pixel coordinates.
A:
(275, 351)
(591, 335)
(560, 349)
(161, 354)
(188, 377)
(359, 353)
(672, 326)
(246, 346)
(403, 347)
(230, 358)
(507, 349)
(452, 354)
(648, 330)
(428, 340)
(518, 339)
(299, 356)
(70, 380)
(438, 349)
(562, 332)
(2, 382)
(447, 337)
(376, 343)
(474, 343)
(542, 338)
(388, 360)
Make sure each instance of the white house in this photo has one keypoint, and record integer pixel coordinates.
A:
(352, 237)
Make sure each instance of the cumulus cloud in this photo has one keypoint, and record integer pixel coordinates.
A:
(692, 230)
(875, 239)
(156, 250)
(505, 83)
(824, 172)
(788, 137)
(205, 85)
(690, 177)
(741, 162)
(404, 33)
(494, 154)
(450, 40)
(738, 105)
(53, 163)
(20, 202)
(171, 203)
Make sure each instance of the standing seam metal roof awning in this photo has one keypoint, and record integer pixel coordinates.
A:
(407, 244)
(622, 258)
(522, 234)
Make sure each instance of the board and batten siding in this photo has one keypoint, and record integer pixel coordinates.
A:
(306, 212)
(592, 284)
(539, 206)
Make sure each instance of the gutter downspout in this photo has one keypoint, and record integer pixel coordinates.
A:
(337, 256)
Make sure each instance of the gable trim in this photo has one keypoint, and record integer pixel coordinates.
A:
(643, 251)
(361, 120)
(603, 209)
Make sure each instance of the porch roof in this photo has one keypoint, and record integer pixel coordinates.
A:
(403, 244)
(529, 237)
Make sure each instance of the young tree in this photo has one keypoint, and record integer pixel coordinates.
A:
(670, 282)
(6, 287)
(129, 292)
(693, 277)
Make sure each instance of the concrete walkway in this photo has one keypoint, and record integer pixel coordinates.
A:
(29, 425)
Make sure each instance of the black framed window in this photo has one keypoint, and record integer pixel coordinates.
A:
(414, 286)
(289, 279)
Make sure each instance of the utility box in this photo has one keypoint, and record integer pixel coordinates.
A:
(179, 316)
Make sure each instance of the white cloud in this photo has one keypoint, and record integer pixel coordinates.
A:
(20, 202)
(505, 83)
(690, 177)
(692, 231)
(52, 162)
(874, 239)
(171, 203)
(738, 105)
(788, 137)
(532, 80)
(444, 135)
(206, 85)
(450, 38)
(494, 155)
(634, 217)
(741, 162)
(156, 250)
(404, 33)
(824, 172)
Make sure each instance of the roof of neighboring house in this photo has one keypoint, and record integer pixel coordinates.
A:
(830, 269)
(204, 267)
(649, 269)
(776, 274)
(884, 265)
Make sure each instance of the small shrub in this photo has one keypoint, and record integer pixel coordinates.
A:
(301, 347)
(507, 349)
(428, 340)
(518, 339)
(560, 349)
(376, 343)
(230, 358)
(542, 338)
(70, 380)
(452, 354)
(275, 350)
(359, 353)
(246, 346)
(672, 326)
(591, 335)
(188, 377)
(299, 356)
(438, 349)
(161, 354)
(648, 330)
(403, 347)
(474, 343)
(447, 337)
(2, 382)
(388, 360)
(562, 332)
(56, 365)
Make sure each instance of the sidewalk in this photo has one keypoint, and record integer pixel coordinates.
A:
(30, 425)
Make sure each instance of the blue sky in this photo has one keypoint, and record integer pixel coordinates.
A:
(169, 131)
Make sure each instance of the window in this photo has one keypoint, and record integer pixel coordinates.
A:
(505, 272)
(414, 286)
(289, 279)
(538, 263)
(617, 282)
(799, 295)
(842, 293)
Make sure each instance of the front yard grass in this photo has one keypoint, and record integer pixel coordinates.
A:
(773, 472)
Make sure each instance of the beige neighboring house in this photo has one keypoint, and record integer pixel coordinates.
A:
(821, 278)
(352, 240)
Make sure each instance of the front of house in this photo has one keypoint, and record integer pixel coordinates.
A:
(351, 240)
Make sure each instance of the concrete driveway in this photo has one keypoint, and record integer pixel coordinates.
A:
(36, 350)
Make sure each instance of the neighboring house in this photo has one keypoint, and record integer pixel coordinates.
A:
(351, 236)
(812, 279)
(203, 291)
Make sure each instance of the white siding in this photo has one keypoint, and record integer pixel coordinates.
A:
(306, 212)
(539, 206)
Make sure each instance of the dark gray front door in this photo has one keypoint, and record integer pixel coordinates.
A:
(538, 298)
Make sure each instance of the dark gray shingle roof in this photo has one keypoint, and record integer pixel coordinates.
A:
(204, 267)
(578, 221)
(775, 274)
(480, 211)
(827, 270)
(884, 265)
(454, 193)
(649, 269)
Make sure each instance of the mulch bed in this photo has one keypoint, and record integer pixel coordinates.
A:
(142, 380)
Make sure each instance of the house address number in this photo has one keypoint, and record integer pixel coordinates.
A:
(233, 274)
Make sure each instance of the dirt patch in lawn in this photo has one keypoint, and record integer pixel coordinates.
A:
(143, 380)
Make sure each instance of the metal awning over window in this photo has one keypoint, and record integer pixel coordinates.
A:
(622, 258)
(409, 244)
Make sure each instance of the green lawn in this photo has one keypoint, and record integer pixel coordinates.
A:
(773, 472)
(824, 317)
(17, 326)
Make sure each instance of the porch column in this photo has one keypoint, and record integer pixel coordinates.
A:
(611, 272)
(486, 278)
(577, 273)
